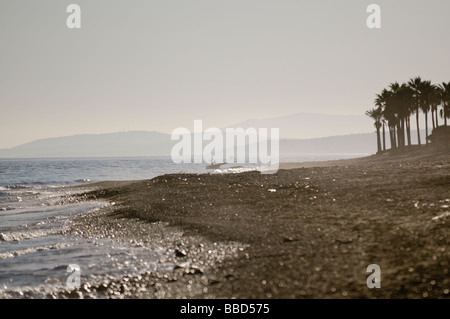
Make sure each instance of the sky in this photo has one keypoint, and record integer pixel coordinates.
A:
(158, 65)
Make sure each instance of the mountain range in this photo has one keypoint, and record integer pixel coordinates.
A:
(312, 125)
(141, 143)
(151, 143)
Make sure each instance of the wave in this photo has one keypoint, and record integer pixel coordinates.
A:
(13, 187)
(42, 184)
(242, 169)
(235, 170)
(16, 253)
(39, 292)
(83, 180)
(29, 234)
(4, 209)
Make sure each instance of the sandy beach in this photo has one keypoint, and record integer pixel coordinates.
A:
(309, 231)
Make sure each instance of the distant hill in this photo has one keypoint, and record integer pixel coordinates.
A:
(310, 125)
(135, 143)
(159, 144)
(142, 143)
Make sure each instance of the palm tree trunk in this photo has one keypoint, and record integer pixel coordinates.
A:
(403, 132)
(432, 118)
(417, 121)
(442, 114)
(408, 130)
(390, 136)
(378, 141)
(394, 136)
(384, 138)
(436, 115)
(426, 127)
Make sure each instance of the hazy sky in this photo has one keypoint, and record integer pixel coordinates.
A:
(158, 65)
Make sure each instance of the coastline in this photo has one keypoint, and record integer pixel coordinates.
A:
(313, 237)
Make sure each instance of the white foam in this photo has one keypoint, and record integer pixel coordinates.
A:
(236, 170)
(15, 253)
(29, 234)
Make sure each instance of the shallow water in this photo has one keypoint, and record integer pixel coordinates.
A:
(72, 171)
(35, 252)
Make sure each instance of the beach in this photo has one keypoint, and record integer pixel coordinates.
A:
(309, 231)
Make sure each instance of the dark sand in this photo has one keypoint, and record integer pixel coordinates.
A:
(307, 232)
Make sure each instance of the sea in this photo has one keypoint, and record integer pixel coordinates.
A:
(37, 257)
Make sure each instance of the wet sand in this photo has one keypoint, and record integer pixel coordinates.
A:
(309, 231)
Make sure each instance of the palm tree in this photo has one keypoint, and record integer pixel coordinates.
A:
(379, 103)
(407, 97)
(375, 114)
(416, 85)
(383, 121)
(395, 107)
(401, 96)
(444, 92)
(426, 92)
(435, 102)
(391, 117)
(396, 104)
(390, 112)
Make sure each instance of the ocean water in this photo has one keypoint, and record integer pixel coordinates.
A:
(35, 251)
(83, 170)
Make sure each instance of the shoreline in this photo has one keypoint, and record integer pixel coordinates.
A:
(313, 237)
